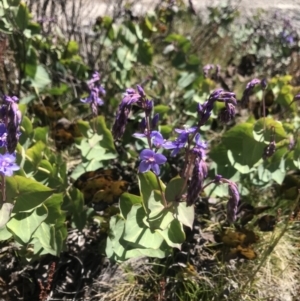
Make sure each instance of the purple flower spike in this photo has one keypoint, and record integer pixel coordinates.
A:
(227, 113)
(233, 201)
(155, 120)
(121, 121)
(250, 86)
(8, 165)
(11, 98)
(3, 135)
(151, 160)
(196, 184)
(130, 97)
(96, 92)
(200, 147)
(140, 91)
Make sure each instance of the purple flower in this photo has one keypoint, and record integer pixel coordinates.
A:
(151, 160)
(297, 97)
(11, 117)
(218, 179)
(186, 131)
(156, 137)
(206, 69)
(264, 84)
(10, 98)
(227, 113)
(3, 134)
(140, 91)
(121, 121)
(8, 165)
(155, 120)
(250, 86)
(204, 110)
(94, 97)
(130, 97)
(96, 92)
(200, 147)
(196, 184)
(177, 144)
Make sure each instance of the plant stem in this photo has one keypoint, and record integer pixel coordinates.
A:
(3, 189)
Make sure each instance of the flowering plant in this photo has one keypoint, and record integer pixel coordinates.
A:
(165, 209)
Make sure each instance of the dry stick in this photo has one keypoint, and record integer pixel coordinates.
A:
(270, 248)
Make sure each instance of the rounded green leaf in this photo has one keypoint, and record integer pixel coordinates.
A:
(174, 189)
(5, 212)
(24, 224)
(127, 200)
(185, 214)
(35, 153)
(29, 194)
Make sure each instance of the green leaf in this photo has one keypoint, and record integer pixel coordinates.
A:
(31, 62)
(263, 130)
(26, 125)
(125, 57)
(84, 127)
(5, 212)
(46, 167)
(55, 215)
(41, 78)
(113, 246)
(22, 17)
(186, 79)
(35, 153)
(41, 134)
(127, 200)
(29, 193)
(243, 150)
(174, 189)
(5, 234)
(174, 235)
(76, 203)
(137, 233)
(166, 129)
(145, 53)
(296, 154)
(84, 167)
(135, 253)
(148, 183)
(185, 214)
(72, 49)
(91, 148)
(24, 224)
(161, 109)
(58, 91)
(108, 141)
(193, 60)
